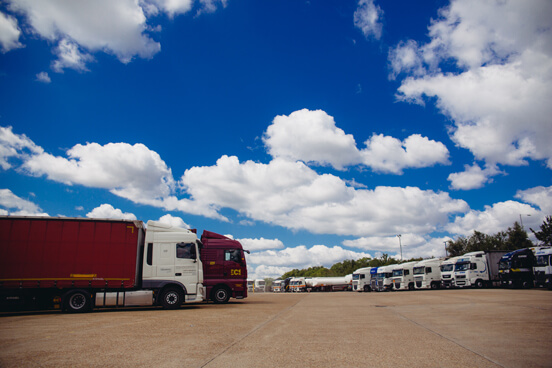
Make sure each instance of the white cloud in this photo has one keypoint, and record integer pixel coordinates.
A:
(43, 77)
(472, 177)
(174, 221)
(311, 136)
(16, 206)
(303, 257)
(263, 271)
(171, 7)
(107, 211)
(15, 146)
(261, 244)
(495, 218)
(540, 197)
(367, 17)
(69, 56)
(388, 154)
(128, 171)
(499, 98)
(9, 33)
(292, 195)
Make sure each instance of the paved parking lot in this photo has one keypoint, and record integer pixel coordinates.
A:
(442, 328)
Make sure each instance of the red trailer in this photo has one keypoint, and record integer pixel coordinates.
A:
(76, 264)
(224, 268)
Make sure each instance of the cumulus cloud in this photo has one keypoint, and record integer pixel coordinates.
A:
(313, 137)
(174, 221)
(388, 154)
(472, 177)
(303, 257)
(498, 99)
(292, 195)
(540, 197)
(9, 33)
(495, 218)
(261, 244)
(367, 18)
(15, 146)
(107, 211)
(43, 77)
(16, 206)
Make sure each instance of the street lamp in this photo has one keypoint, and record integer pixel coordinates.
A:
(521, 220)
(400, 244)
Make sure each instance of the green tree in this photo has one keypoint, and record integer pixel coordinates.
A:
(545, 233)
(517, 238)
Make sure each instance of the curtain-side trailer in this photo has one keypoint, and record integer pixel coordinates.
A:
(78, 264)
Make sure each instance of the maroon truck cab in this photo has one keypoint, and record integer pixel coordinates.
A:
(224, 268)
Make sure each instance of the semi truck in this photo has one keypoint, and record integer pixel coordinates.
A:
(403, 276)
(478, 269)
(516, 268)
(543, 267)
(224, 268)
(78, 264)
(362, 279)
(339, 283)
(277, 286)
(384, 278)
(447, 272)
(427, 273)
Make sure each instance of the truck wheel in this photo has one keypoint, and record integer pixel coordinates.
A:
(479, 284)
(527, 284)
(171, 298)
(78, 301)
(434, 285)
(220, 295)
(367, 289)
(410, 286)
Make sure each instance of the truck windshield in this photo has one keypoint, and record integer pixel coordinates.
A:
(419, 270)
(356, 276)
(397, 273)
(504, 265)
(464, 266)
(542, 261)
(447, 268)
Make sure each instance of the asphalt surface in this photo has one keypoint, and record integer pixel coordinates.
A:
(441, 328)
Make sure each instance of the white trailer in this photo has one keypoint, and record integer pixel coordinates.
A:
(384, 278)
(447, 272)
(543, 267)
(478, 269)
(427, 273)
(331, 283)
(362, 279)
(403, 276)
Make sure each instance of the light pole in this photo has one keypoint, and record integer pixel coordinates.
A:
(446, 255)
(521, 220)
(400, 244)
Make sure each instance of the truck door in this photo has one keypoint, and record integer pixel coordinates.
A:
(234, 265)
(186, 266)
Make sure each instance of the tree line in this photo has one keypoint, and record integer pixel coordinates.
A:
(514, 238)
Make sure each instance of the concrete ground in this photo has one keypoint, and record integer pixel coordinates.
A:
(441, 328)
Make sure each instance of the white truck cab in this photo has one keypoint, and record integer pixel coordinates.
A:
(362, 279)
(427, 273)
(403, 276)
(384, 278)
(447, 272)
(543, 267)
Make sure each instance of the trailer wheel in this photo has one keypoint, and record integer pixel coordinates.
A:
(78, 301)
(220, 295)
(171, 298)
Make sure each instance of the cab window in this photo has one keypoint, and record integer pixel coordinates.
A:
(232, 255)
(186, 250)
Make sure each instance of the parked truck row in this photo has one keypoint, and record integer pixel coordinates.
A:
(80, 264)
(520, 268)
(313, 284)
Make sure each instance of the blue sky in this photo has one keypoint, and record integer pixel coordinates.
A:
(312, 131)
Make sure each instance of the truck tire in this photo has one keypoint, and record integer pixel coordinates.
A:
(367, 289)
(479, 284)
(78, 301)
(411, 286)
(220, 295)
(171, 298)
(435, 285)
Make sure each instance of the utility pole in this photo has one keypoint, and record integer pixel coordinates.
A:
(400, 245)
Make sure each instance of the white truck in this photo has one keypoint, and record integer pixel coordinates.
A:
(277, 286)
(297, 284)
(447, 272)
(427, 273)
(331, 283)
(384, 278)
(260, 285)
(543, 267)
(403, 276)
(362, 279)
(478, 269)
